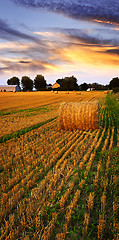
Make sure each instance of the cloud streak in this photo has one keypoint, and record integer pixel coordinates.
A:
(77, 35)
(96, 10)
(10, 34)
(17, 65)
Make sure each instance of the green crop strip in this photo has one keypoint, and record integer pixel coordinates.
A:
(23, 131)
(30, 110)
(113, 106)
(109, 116)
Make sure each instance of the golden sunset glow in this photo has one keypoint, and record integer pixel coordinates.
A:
(51, 67)
(90, 56)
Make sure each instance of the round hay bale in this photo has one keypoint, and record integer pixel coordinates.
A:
(82, 116)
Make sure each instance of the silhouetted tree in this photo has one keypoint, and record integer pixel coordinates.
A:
(39, 82)
(60, 81)
(27, 83)
(98, 86)
(114, 83)
(68, 83)
(13, 81)
(83, 86)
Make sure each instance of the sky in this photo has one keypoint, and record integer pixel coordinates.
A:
(59, 38)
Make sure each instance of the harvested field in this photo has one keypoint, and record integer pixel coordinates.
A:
(24, 109)
(25, 100)
(60, 184)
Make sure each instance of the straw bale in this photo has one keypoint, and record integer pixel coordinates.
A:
(83, 115)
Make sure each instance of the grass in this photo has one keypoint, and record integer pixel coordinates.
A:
(29, 111)
(112, 105)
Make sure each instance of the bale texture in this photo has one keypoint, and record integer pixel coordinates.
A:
(83, 115)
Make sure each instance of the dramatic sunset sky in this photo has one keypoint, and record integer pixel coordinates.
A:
(59, 38)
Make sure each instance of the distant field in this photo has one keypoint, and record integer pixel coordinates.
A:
(26, 100)
(57, 184)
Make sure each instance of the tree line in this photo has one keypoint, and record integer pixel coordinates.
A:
(27, 83)
(65, 84)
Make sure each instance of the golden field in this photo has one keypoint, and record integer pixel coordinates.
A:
(25, 100)
(37, 107)
(57, 184)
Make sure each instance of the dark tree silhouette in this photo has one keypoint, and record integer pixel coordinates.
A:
(114, 83)
(84, 86)
(27, 83)
(39, 82)
(68, 83)
(13, 81)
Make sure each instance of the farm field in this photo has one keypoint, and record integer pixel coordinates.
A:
(24, 109)
(57, 184)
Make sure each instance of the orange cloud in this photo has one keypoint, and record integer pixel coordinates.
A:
(117, 29)
(89, 55)
(105, 22)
